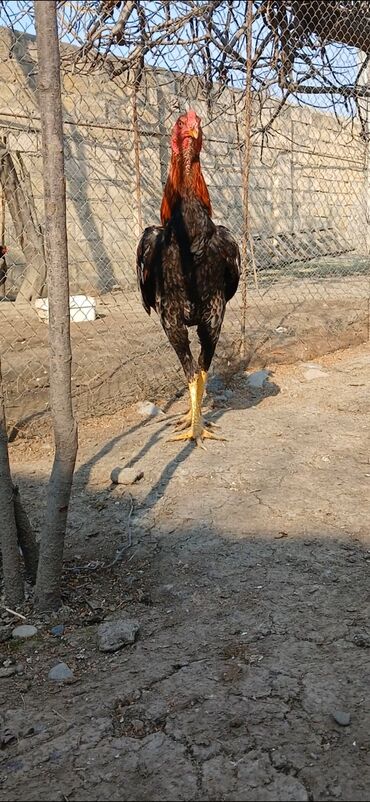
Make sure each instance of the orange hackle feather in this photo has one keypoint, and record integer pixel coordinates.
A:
(185, 176)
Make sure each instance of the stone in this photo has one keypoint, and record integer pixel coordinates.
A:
(64, 612)
(148, 410)
(7, 671)
(257, 379)
(314, 373)
(126, 476)
(113, 635)
(58, 630)
(24, 631)
(138, 726)
(9, 668)
(361, 639)
(342, 718)
(61, 673)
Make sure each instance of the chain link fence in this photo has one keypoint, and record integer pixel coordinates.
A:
(285, 157)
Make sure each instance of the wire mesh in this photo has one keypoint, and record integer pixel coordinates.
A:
(128, 69)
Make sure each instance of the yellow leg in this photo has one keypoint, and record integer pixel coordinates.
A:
(197, 430)
(185, 421)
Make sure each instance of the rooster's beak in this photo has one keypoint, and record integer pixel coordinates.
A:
(194, 133)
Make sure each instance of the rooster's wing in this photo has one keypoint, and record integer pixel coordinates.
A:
(148, 264)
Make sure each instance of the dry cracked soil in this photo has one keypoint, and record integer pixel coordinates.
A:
(247, 569)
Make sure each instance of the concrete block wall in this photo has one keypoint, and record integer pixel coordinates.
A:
(310, 173)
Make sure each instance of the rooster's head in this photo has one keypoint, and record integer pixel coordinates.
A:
(187, 134)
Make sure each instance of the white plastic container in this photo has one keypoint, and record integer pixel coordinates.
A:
(81, 308)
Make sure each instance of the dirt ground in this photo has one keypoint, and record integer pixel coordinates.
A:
(248, 573)
(124, 354)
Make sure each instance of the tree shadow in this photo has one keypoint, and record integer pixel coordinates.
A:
(85, 469)
(244, 396)
(77, 185)
(247, 647)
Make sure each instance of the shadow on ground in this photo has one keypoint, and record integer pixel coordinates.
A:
(249, 647)
(249, 678)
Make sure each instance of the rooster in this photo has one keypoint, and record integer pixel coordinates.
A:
(188, 269)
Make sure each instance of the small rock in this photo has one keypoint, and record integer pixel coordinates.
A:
(58, 630)
(148, 410)
(342, 718)
(314, 373)
(64, 612)
(138, 726)
(312, 365)
(24, 631)
(60, 673)
(6, 737)
(5, 633)
(361, 639)
(236, 722)
(113, 635)
(126, 476)
(8, 671)
(130, 697)
(257, 379)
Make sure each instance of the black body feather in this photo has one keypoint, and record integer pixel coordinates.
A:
(187, 271)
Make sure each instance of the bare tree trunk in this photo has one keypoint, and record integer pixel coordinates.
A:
(13, 582)
(3, 267)
(135, 123)
(246, 174)
(26, 537)
(27, 232)
(48, 586)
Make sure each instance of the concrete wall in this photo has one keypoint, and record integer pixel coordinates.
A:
(311, 173)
